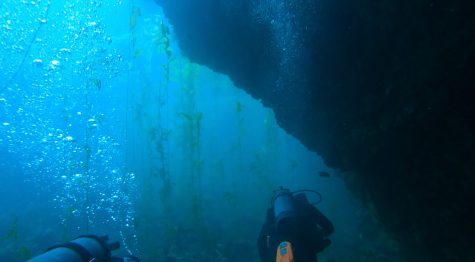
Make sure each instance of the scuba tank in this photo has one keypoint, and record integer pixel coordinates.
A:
(285, 212)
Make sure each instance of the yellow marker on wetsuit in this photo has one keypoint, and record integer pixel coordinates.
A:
(284, 252)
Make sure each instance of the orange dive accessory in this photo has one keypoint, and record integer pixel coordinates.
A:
(284, 252)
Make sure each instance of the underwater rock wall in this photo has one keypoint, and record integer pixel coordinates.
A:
(381, 89)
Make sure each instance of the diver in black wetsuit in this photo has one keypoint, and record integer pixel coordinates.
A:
(292, 218)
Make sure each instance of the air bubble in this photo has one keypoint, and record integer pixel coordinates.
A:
(54, 64)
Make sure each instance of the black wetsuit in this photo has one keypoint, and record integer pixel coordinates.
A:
(307, 239)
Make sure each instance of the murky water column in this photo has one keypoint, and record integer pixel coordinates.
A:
(62, 110)
(148, 126)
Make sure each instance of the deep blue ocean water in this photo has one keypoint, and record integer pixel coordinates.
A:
(106, 128)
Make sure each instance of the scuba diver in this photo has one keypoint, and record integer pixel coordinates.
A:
(84, 248)
(294, 229)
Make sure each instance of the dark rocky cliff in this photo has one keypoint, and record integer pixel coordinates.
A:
(384, 89)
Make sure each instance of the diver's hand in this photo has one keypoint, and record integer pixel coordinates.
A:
(323, 244)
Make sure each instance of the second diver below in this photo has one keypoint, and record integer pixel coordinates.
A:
(294, 229)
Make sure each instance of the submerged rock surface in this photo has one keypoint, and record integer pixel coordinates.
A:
(382, 89)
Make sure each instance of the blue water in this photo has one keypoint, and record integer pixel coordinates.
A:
(106, 128)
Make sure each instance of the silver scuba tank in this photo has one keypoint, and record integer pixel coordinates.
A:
(285, 212)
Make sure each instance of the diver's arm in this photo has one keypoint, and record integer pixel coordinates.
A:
(323, 222)
(265, 239)
(261, 245)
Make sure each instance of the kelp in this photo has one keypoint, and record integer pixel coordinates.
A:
(12, 233)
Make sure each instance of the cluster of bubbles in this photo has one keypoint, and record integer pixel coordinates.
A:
(291, 23)
(55, 60)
